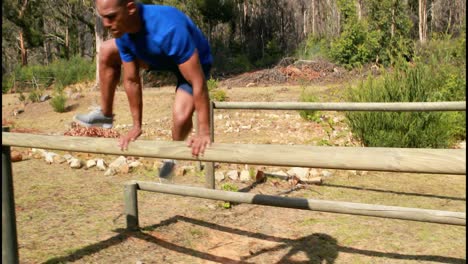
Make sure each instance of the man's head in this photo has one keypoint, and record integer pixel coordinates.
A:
(119, 16)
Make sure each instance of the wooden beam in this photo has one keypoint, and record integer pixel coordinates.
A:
(443, 161)
(395, 212)
(346, 106)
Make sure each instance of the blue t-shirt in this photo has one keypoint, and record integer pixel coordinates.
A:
(166, 39)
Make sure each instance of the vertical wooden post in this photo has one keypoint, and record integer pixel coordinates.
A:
(9, 235)
(131, 205)
(209, 166)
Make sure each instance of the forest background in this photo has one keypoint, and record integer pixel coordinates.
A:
(419, 43)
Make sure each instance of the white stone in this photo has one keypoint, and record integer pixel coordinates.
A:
(245, 176)
(68, 156)
(75, 163)
(326, 173)
(101, 164)
(134, 164)
(49, 157)
(219, 176)
(118, 162)
(233, 174)
(90, 163)
(301, 173)
(110, 172)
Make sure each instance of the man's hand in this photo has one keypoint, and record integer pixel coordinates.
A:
(132, 135)
(199, 143)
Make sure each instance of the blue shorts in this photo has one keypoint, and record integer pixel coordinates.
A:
(184, 84)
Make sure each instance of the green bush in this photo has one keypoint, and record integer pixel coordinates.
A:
(356, 46)
(313, 48)
(231, 188)
(59, 102)
(311, 115)
(215, 93)
(59, 73)
(410, 83)
(35, 95)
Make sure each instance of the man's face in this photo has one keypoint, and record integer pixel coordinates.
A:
(113, 16)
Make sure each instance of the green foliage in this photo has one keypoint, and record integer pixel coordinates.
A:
(418, 82)
(271, 54)
(215, 93)
(313, 48)
(310, 115)
(356, 45)
(35, 95)
(59, 102)
(60, 73)
(231, 188)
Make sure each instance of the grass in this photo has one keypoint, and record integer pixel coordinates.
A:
(66, 215)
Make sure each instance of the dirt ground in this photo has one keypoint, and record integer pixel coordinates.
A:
(69, 215)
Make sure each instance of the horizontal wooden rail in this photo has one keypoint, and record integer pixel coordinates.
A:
(443, 161)
(346, 106)
(414, 214)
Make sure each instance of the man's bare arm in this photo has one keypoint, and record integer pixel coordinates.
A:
(193, 73)
(133, 88)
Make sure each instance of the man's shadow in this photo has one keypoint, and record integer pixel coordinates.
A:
(318, 247)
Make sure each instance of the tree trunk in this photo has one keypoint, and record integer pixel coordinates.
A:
(359, 9)
(422, 21)
(24, 51)
(99, 33)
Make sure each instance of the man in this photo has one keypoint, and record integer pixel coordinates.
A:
(153, 37)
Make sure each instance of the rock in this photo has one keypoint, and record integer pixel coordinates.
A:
(75, 163)
(314, 180)
(250, 84)
(124, 168)
(326, 173)
(59, 159)
(260, 177)
(314, 172)
(233, 175)
(301, 173)
(90, 163)
(219, 175)
(49, 157)
(67, 157)
(44, 98)
(101, 164)
(111, 171)
(75, 96)
(245, 176)
(17, 112)
(118, 162)
(38, 151)
(134, 164)
(16, 156)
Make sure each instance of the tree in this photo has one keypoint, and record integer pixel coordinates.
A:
(422, 21)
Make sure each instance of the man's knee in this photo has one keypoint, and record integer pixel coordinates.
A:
(109, 53)
(182, 118)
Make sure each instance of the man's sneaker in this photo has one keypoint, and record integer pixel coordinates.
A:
(94, 118)
(167, 169)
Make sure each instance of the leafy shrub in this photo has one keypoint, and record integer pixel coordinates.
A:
(311, 115)
(312, 48)
(35, 95)
(60, 72)
(231, 188)
(356, 45)
(58, 102)
(410, 83)
(215, 93)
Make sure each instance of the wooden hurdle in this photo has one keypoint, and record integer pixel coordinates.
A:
(442, 161)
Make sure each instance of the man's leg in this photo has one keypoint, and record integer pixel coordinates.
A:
(182, 115)
(182, 125)
(109, 77)
(109, 74)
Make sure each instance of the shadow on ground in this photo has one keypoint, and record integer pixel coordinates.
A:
(318, 247)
